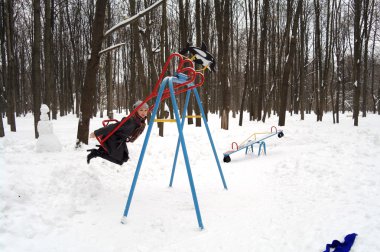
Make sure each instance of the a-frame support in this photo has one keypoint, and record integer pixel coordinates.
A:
(168, 81)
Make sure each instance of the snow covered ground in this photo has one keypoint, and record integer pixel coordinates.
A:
(320, 182)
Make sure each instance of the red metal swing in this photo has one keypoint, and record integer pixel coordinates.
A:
(178, 87)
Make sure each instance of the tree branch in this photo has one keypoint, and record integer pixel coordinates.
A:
(131, 19)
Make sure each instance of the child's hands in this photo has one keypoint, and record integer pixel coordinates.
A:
(92, 135)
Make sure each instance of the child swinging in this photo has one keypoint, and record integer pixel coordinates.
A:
(115, 147)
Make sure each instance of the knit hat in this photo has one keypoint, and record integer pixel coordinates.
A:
(145, 106)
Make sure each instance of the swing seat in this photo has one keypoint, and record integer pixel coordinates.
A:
(106, 122)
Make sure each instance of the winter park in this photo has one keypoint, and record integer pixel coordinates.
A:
(190, 125)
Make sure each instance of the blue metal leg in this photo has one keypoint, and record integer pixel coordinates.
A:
(182, 139)
(151, 122)
(262, 144)
(258, 153)
(247, 148)
(265, 148)
(178, 141)
(209, 136)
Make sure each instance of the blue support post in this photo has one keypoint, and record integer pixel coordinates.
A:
(209, 136)
(208, 133)
(262, 144)
(184, 150)
(178, 141)
(249, 147)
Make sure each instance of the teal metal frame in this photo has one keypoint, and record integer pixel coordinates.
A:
(168, 81)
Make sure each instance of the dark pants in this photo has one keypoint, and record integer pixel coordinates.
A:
(105, 155)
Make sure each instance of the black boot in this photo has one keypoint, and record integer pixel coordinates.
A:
(93, 153)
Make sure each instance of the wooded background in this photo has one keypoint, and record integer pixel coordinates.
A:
(272, 56)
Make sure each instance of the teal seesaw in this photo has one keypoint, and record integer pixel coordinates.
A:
(252, 140)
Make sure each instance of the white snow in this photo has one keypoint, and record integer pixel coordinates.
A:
(320, 182)
(156, 49)
(166, 107)
(111, 48)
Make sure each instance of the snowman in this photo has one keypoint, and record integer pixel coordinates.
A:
(47, 141)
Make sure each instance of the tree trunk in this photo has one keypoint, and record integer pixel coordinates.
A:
(198, 121)
(253, 68)
(135, 55)
(367, 16)
(48, 51)
(378, 99)
(61, 66)
(302, 67)
(164, 55)
(248, 59)
(3, 70)
(374, 101)
(89, 87)
(205, 90)
(318, 63)
(262, 59)
(3, 63)
(36, 61)
(357, 59)
(222, 12)
(11, 74)
(147, 39)
(183, 6)
(73, 28)
(288, 66)
(108, 69)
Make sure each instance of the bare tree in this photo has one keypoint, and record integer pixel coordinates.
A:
(338, 54)
(318, 89)
(374, 100)
(48, 51)
(198, 121)
(108, 67)
(222, 15)
(36, 62)
(262, 58)
(357, 59)
(368, 11)
(302, 63)
(247, 73)
(253, 67)
(253, 61)
(89, 87)
(11, 67)
(3, 70)
(73, 25)
(288, 64)
(206, 21)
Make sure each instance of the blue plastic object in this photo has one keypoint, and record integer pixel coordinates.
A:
(342, 246)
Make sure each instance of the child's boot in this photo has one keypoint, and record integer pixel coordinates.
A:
(93, 153)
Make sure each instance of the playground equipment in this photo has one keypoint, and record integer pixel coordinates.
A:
(248, 143)
(163, 120)
(182, 81)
